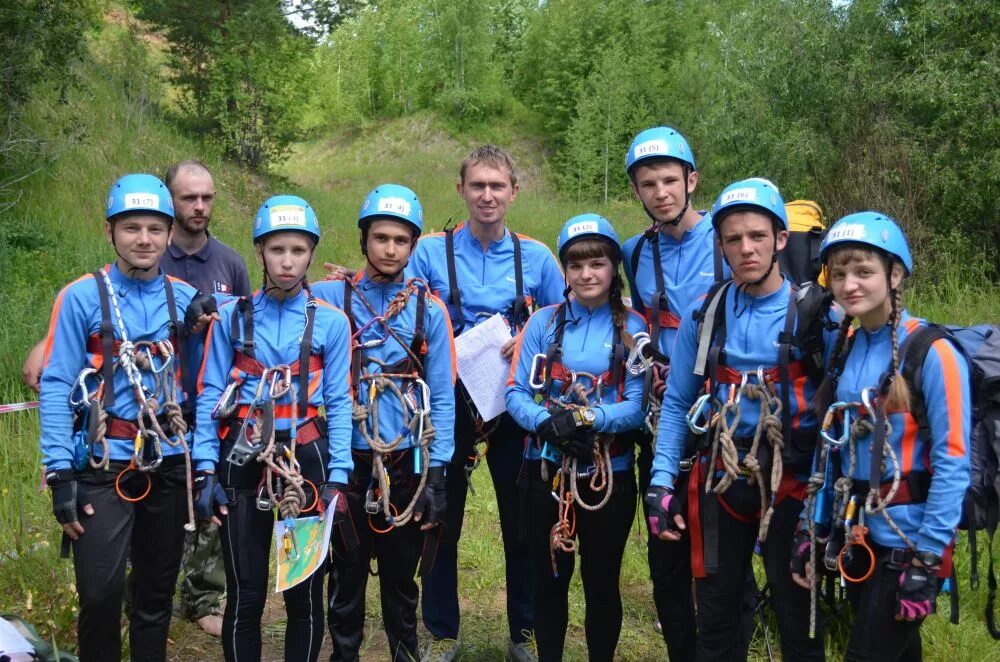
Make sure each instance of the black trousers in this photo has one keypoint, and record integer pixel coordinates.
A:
(396, 552)
(875, 632)
(151, 532)
(789, 600)
(247, 540)
(601, 536)
(669, 569)
(440, 588)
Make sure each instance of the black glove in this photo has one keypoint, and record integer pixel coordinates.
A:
(68, 496)
(433, 502)
(201, 304)
(208, 495)
(800, 553)
(663, 506)
(917, 594)
(560, 426)
(338, 491)
(579, 446)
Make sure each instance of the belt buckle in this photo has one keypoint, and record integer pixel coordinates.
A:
(371, 504)
(687, 463)
(263, 500)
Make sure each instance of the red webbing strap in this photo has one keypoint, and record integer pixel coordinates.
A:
(790, 486)
(726, 375)
(668, 320)
(252, 366)
(694, 522)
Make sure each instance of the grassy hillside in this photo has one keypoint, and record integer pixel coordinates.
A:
(108, 127)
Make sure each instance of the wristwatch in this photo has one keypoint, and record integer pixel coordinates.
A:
(929, 559)
(585, 416)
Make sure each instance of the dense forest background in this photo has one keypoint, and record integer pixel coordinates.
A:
(887, 104)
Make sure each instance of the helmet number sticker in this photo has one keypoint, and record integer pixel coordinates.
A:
(288, 216)
(393, 206)
(651, 147)
(747, 194)
(580, 228)
(141, 201)
(846, 231)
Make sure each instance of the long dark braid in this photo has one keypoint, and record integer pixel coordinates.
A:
(898, 396)
(841, 348)
(619, 313)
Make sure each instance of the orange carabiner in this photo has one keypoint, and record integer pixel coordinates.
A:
(858, 533)
(389, 528)
(131, 467)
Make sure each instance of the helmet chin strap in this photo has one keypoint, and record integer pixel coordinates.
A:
(657, 224)
(133, 267)
(275, 286)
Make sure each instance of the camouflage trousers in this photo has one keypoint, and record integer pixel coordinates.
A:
(204, 573)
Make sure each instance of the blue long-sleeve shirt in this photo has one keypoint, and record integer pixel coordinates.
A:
(439, 363)
(586, 347)
(76, 317)
(944, 451)
(277, 332)
(751, 342)
(486, 277)
(688, 272)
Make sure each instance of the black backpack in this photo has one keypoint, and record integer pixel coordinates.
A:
(981, 506)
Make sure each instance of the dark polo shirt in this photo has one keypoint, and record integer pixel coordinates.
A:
(215, 269)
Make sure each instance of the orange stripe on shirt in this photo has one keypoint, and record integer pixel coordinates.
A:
(451, 335)
(910, 431)
(952, 397)
(800, 401)
(56, 309)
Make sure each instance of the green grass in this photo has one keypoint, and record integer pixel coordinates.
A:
(55, 234)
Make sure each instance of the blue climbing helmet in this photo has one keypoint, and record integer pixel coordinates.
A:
(588, 226)
(869, 229)
(394, 202)
(282, 213)
(754, 194)
(660, 142)
(139, 192)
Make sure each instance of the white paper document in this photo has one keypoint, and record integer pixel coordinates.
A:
(12, 643)
(481, 368)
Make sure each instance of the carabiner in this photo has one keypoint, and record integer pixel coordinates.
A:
(537, 369)
(81, 385)
(367, 325)
(289, 542)
(226, 405)
(280, 380)
(698, 412)
(637, 363)
(868, 397)
(141, 438)
(831, 413)
(743, 382)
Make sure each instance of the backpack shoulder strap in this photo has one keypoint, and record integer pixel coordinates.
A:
(518, 315)
(554, 351)
(305, 350)
(636, 254)
(913, 353)
(711, 318)
(418, 344)
(717, 260)
(180, 332)
(107, 341)
(454, 293)
(244, 311)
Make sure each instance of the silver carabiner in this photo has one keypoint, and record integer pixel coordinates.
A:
(637, 363)
(81, 385)
(868, 396)
(697, 411)
(845, 436)
(537, 369)
(743, 382)
(227, 402)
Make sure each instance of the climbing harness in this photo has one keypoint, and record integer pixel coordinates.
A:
(403, 380)
(282, 485)
(157, 406)
(577, 390)
(724, 451)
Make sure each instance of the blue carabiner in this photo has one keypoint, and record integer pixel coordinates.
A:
(845, 436)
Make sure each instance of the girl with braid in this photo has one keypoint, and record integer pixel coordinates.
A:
(900, 479)
(570, 388)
